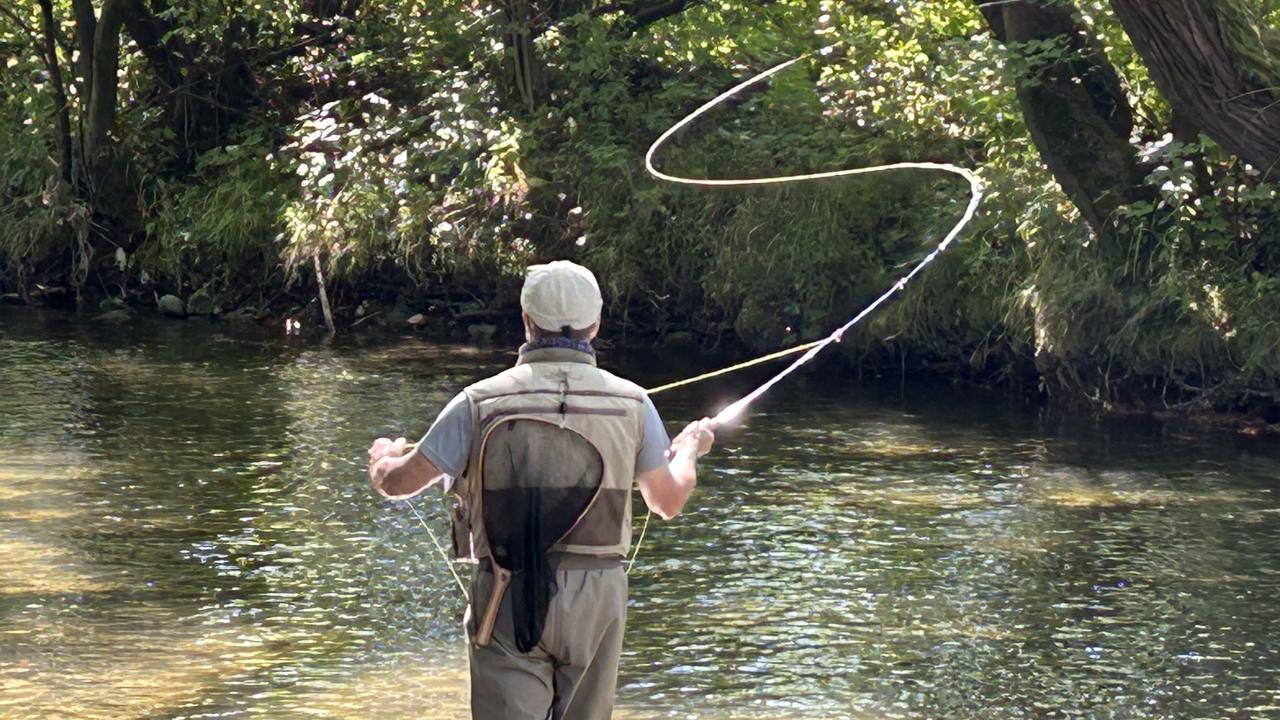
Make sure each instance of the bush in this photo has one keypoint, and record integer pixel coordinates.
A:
(44, 230)
(220, 225)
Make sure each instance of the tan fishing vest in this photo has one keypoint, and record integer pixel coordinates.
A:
(562, 387)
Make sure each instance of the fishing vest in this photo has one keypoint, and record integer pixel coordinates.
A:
(557, 389)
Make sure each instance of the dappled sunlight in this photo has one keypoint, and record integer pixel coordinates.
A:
(416, 351)
(195, 192)
(1067, 487)
(425, 688)
(35, 515)
(35, 470)
(8, 493)
(37, 496)
(911, 493)
(36, 569)
(146, 662)
(894, 448)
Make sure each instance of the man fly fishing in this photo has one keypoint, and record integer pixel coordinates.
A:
(544, 456)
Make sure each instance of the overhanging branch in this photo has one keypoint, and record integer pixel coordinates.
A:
(642, 14)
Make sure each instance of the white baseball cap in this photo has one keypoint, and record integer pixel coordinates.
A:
(561, 293)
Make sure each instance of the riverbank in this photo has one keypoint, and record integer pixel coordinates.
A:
(391, 165)
(682, 353)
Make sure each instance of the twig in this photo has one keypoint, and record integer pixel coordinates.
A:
(366, 317)
(324, 295)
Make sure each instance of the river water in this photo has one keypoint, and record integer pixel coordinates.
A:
(186, 532)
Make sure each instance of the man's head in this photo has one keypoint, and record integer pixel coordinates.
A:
(560, 298)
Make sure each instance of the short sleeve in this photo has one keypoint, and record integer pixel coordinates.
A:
(448, 443)
(654, 444)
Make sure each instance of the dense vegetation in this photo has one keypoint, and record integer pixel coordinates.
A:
(418, 154)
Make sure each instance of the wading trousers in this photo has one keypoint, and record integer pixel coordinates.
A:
(572, 674)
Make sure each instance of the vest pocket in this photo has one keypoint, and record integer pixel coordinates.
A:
(601, 524)
(460, 530)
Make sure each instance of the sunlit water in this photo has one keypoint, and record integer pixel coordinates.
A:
(186, 532)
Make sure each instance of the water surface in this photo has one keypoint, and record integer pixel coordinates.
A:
(186, 532)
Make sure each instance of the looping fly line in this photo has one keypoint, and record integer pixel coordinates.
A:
(811, 349)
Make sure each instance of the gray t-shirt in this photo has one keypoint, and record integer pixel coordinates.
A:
(448, 442)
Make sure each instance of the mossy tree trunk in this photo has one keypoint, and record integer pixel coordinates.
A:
(1218, 64)
(1073, 105)
(1080, 120)
(101, 115)
(50, 27)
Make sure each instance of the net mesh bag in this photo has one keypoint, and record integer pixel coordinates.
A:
(538, 481)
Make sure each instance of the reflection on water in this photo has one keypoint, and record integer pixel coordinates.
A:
(186, 532)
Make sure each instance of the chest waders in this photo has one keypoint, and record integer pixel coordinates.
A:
(550, 471)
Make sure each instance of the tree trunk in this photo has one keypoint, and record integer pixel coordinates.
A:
(102, 103)
(59, 89)
(86, 28)
(519, 18)
(170, 61)
(1218, 64)
(1074, 106)
(526, 20)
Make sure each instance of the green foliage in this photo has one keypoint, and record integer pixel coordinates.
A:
(43, 229)
(219, 226)
(1213, 269)
(397, 148)
(420, 173)
(42, 224)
